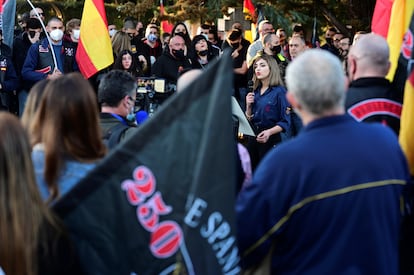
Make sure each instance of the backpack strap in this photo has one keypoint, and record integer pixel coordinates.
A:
(113, 135)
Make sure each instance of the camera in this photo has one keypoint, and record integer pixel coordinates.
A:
(151, 93)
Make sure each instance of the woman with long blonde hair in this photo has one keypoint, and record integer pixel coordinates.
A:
(266, 107)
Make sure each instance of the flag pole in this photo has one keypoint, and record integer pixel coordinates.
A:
(47, 34)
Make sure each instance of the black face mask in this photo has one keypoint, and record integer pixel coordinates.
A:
(329, 40)
(235, 45)
(179, 54)
(203, 53)
(276, 49)
(32, 33)
(180, 33)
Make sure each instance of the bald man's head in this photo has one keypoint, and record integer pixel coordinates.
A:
(369, 57)
(187, 78)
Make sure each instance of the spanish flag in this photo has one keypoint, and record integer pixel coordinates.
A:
(248, 7)
(94, 51)
(406, 136)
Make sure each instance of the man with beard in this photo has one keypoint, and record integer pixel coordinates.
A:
(173, 61)
(329, 45)
(344, 46)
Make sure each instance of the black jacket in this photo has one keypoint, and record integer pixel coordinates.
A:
(371, 99)
(169, 67)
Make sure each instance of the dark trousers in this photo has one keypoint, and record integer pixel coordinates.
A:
(258, 150)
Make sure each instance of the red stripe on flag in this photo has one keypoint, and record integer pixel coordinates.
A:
(100, 7)
(86, 66)
(248, 7)
(94, 51)
(381, 17)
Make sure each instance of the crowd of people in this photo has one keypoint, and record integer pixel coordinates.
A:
(322, 198)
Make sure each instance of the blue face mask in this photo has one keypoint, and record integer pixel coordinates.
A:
(130, 117)
(152, 37)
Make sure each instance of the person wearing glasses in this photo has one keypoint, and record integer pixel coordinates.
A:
(37, 11)
(116, 96)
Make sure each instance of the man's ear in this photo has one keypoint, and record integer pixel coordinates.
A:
(125, 101)
(292, 100)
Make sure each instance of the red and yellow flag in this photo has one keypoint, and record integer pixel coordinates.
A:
(381, 18)
(165, 25)
(94, 51)
(248, 7)
(400, 19)
(406, 137)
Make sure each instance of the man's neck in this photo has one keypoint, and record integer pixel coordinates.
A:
(112, 110)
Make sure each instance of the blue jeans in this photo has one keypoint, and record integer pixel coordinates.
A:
(22, 101)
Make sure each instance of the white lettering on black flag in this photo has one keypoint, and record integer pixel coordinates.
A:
(163, 201)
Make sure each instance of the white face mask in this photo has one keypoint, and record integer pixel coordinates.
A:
(56, 35)
(76, 34)
(112, 32)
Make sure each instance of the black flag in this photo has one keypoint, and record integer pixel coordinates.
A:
(163, 201)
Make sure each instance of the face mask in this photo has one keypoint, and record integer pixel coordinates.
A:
(203, 53)
(180, 33)
(130, 117)
(76, 34)
(152, 37)
(235, 45)
(112, 32)
(56, 35)
(328, 40)
(205, 36)
(276, 49)
(178, 53)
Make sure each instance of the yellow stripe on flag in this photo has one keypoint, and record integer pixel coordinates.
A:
(95, 48)
(400, 19)
(406, 136)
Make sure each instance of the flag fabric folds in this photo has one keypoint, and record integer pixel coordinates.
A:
(165, 25)
(7, 20)
(381, 17)
(399, 21)
(163, 201)
(94, 51)
(406, 136)
(248, 7)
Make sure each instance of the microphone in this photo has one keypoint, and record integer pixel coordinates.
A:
(250, 86)
(141, 116)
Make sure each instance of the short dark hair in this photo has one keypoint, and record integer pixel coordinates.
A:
(33, 23)
(114, 86)
(205, 27)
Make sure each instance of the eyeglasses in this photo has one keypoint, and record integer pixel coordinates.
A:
(41, 13)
